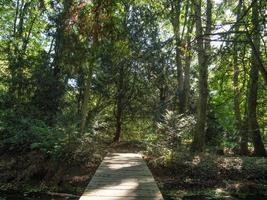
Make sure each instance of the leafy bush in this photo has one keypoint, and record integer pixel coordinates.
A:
(176, 127)
(22, 132)
(16, 131)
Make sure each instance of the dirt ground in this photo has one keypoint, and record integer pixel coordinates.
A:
(30, 175)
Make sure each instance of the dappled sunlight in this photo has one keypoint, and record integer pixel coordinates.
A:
(122, 176)
(196, 160)
(89, 86)
(121, 166)
(261, 161)
(219, 190)
(121, 189)
(230, 163)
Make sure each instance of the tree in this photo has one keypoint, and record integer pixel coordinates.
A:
(117, 69)
(259, 149)
(236, 83)
(203, 50)
(188, 58)
(176, 9)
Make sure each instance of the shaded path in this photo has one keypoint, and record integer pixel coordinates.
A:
(122, 176)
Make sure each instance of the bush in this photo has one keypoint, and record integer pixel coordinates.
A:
(176, 127)
(18, 133)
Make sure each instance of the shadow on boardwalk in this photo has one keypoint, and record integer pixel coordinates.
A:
(122, 176)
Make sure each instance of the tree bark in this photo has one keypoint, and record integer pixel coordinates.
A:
(244, 135)
(188, 59)
(86, 97)
(176, 12)
(162, 103)
(203, 49)
(259, 149)
(238, 121)
(119, 105)
(58, 86)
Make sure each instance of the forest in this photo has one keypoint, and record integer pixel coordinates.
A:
(181, 81)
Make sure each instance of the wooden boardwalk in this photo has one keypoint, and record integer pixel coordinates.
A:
(122, 176)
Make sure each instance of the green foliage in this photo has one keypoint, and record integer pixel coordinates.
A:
(125, 54)
(18, 133)
(122, 66)
(176, 128)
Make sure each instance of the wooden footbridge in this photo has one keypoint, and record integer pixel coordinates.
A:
(122, 176)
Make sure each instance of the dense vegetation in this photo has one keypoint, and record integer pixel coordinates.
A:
(180, 77)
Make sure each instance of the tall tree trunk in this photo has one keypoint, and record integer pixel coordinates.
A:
(188, 59)
(20, 40)
(237, 112)
(89, 66)
(162, 86)
(86, 97)
(162, 103)
(203, 48)
(117, 136)
(119, 105)
(236, 78)
(259, 149)
(176, 12)
(244, 135)
(57, 88)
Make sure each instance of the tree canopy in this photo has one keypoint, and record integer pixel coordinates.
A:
(182, 81)
(190, 71)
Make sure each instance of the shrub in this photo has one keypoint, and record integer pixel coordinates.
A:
(176, 127)
(18, 133)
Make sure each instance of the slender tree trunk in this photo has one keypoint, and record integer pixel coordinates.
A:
(259, 149)
(162, 103)
(86, 97)
(57, 88)
(236, 85)
(117, 136)
(79, 99)
(203, 49)
(176, 12)
(187, 80)
(187, 66)
(237, 112)
(19, 44)
(89, 67)
(119, 105)
(244, 135)
(162, 95)
(180, 77)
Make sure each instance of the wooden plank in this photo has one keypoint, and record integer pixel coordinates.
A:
(122, 176)
(120, 193)
(113, 177)
(121, 187)
(119, 198)
(119, 183)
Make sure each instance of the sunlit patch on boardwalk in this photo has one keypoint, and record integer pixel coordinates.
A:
(122, 176)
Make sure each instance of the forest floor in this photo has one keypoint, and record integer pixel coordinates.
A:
(210, 177)
(184, 176)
